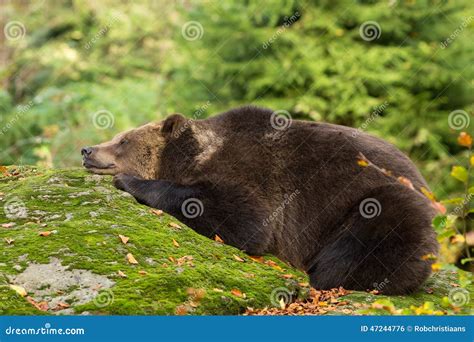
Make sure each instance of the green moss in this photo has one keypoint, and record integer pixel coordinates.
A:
(86, 214)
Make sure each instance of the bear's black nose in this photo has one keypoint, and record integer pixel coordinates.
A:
(86, 151)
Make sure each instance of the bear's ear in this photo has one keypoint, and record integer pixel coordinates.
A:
(173, 124)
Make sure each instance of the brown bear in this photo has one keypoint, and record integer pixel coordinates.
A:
(267, 184)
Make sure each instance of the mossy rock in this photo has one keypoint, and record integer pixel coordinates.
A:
(81, 265)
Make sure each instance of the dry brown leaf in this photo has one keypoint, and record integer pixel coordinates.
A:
(218, 239)
(236, 257)
(4, 170)
(121, 274)
(61, 306)
(181, 310)
(45, 233)
(175, 243)
(174, 225)
(143, 272)
(124, 239)
(9, 241)
(287, 276)
(131, 259)
(42, 306)
(8, 225)
(156, 212)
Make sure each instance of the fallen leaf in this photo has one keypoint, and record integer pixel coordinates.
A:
(258, 259)
(237, 293)
(124, 239)
(121, 274)
(405, 181)
(8, 225)
(236, 257)
(428, 194)
(42, 306)
(4, 170)
(217, 290)
(131, 259)
(174, 225)
(9, 241)
(181, 310)
(465, 139)
(45, 233)
(218, 239)
(18, 289)
(143, 272)
(436, 267)
(156, 212)
(287, 276)
(175, 243)
(61, 306)
(362, 163)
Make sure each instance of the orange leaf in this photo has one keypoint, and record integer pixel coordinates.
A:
(287, 276)
(131, 259)
(405, 181)
(436, 267)
(4, 170)
(156, 212)
(236, 257)
(61, 306)
(465, 139)
(181, 310)
(124, 239)
(42, 306)
(175, 243)
(258, 259)
(218, 239)
(142, 272)
(121, 274)
(362, 163)
(46, 233)
(237, 293)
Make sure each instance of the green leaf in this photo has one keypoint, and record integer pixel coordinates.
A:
(439, 222)
(456, 200)
(460, 173)
(471, 190)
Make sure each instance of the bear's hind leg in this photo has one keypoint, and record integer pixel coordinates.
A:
(381, 249)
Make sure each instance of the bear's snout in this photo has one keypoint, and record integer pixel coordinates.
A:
(86, 151)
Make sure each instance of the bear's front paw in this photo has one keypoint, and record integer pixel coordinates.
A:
(122, 181)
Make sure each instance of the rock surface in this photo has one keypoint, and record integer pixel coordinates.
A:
(60, 236)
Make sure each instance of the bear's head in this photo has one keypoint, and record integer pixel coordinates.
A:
(136, 152)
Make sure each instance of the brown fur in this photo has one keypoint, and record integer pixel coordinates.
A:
(295, 193)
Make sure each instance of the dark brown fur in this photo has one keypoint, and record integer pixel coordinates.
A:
(295, 193)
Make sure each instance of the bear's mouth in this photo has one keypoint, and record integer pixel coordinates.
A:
(91, 166)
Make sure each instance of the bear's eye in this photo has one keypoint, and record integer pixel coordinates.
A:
(123, 142)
